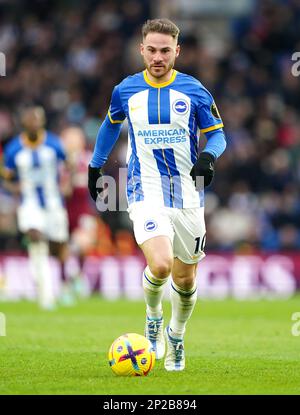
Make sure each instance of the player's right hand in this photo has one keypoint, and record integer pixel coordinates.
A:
(94, 173)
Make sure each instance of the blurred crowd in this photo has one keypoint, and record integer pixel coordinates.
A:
(67, 56)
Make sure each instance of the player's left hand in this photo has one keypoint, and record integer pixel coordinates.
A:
(204, 166)
(94, 174)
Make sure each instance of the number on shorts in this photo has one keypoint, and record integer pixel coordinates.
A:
(198, 239)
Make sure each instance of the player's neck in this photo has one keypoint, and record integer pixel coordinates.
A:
(162, 80)
(33, 144)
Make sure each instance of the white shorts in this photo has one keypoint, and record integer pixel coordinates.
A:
(184, 227)
(53, 223)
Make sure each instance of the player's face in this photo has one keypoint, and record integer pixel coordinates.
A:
(33, 122)
(159, 52)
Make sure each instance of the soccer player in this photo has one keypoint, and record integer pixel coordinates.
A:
(165, 110)
(32, 159)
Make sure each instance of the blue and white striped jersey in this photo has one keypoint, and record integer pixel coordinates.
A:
(37, 170)
(164, 121)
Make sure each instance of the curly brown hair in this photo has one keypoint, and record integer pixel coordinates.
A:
(164, 26)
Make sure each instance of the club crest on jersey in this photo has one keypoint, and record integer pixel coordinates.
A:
(180, 106)
(150, 225)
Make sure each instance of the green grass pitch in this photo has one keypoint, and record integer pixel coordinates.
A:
(232, 347)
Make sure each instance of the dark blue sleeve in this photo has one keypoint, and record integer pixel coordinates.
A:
(54, 141)
(9, 160)
(216, 142)
(9, 154)
(208, 117)
(116, 113)
(107, 136)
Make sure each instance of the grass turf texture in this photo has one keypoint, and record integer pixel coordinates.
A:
(231, 348)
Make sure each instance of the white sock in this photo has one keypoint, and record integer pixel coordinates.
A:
(153, 293)
(183, 303)
(39, 260)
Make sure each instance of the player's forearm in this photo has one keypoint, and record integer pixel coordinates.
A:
(6, 174)
(107, 136)
(11, 186)
(216, 143)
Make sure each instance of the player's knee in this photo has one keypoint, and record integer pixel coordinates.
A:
(34, 235)
(184, 281)
(161, 268)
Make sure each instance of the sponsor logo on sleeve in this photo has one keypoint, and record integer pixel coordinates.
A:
(214, 111)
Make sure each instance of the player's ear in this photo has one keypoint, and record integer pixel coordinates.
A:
(142, 49)
(177, 50)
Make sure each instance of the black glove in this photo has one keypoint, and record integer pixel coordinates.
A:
(204, 166)
(93, 175)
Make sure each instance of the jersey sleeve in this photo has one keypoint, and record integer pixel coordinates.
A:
(60, 151)
(107, 136)
(116, 113)
(9, 156)
(55, 142)
(208, 117)
(216, 142)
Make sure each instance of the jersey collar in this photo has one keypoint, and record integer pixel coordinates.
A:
(163, 84)
(32, 145)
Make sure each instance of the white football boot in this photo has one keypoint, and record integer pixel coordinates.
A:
(175, 359)
(154, 331)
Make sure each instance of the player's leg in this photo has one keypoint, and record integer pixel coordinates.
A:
(38, 252)
(183, 296)
(159, 257)
(31, 222)
(183, 299)
(60, 250)
(154, 233)
(189, 243)
(82, 239)
(58, 234)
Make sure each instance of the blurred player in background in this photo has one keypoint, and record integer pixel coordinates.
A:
(32, 160)
(165, 109)
(83, 223)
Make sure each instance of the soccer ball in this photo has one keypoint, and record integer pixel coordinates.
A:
(131, 355)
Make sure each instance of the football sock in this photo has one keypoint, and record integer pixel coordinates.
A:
(153, 293)
(39, 260)
(183, 303)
